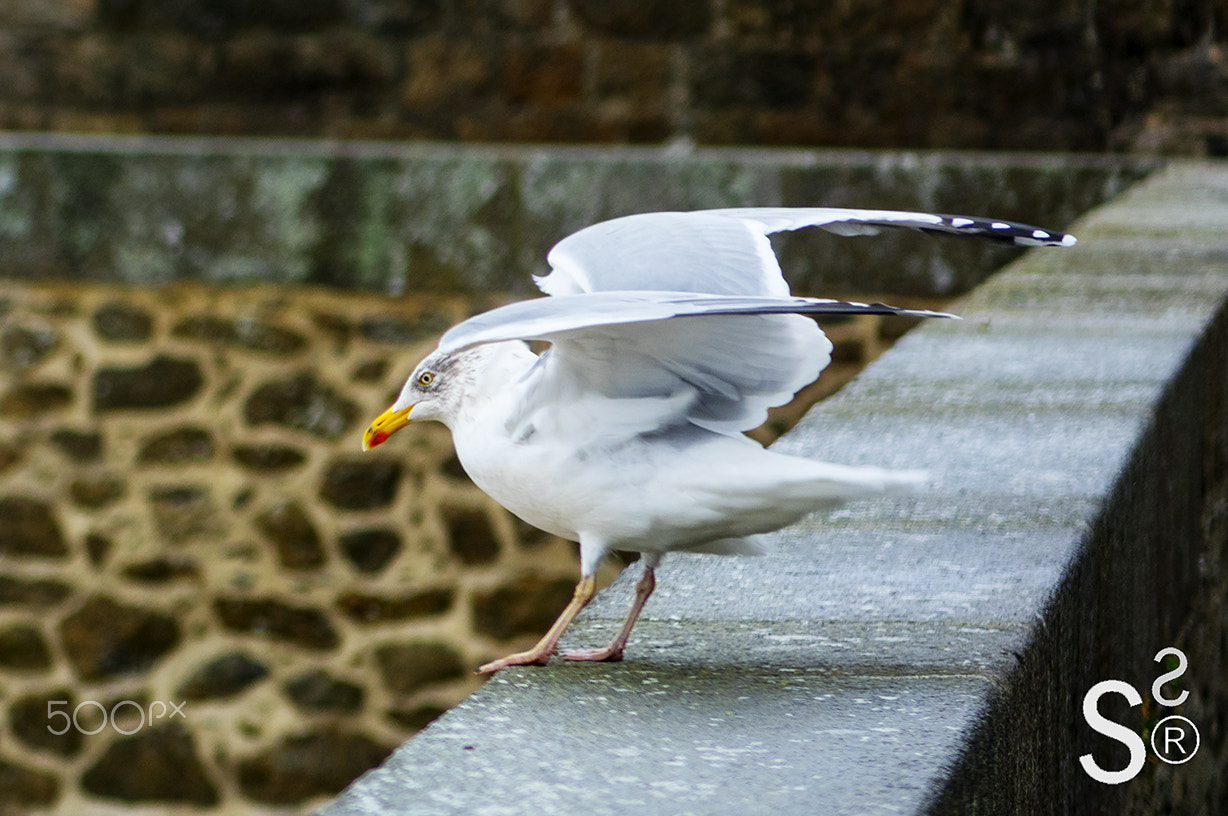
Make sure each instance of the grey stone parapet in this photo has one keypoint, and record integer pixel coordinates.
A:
(430, 217)
(928, 654)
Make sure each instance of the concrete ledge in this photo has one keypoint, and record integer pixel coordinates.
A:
(928, 654)
(402, 217)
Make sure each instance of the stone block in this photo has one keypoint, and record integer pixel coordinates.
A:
(23, 649)
(32, 399)
(104, 639)
(304, 627)
(653, 20)
(364, 608)
(249, 335)
(369, 550)
(22, 787)
(287, 526)
(28, 717)
(524, 606)
(410, 667)
(361, 484)
(318, 691)
(33, 593)
(319, 762)
(303, 403)
(222, 677)
(470, 535)
(120, 322)
(79, 446)
(159, 764)
(268, 458)
(181, 446)
(163, 382)
(30, 529)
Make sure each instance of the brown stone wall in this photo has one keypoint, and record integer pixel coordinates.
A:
(186, 519)
(1114, 74)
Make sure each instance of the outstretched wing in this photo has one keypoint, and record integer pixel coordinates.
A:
(727, 252)
(718, 361)
(664, 318)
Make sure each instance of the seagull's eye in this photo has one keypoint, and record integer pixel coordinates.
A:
(426, 378)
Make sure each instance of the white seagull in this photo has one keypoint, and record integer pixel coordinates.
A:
(670, 334)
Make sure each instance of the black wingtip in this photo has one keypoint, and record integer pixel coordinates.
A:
(1007, 232)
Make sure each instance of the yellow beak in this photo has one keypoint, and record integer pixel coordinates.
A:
(384, 426)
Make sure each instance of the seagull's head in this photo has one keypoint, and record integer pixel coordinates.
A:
(447, 384)
(433, 391)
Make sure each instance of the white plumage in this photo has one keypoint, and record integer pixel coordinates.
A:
(670, 334)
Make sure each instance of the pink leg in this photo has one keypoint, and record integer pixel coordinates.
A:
(643, 588)
(540, 654)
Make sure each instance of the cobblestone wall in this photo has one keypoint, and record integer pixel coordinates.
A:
(1120, 74)
(186, 519)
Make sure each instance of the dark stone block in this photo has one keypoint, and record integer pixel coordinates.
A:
(305, 627)
(162, 570)
(319, 763)
(104, 639)
(222, 677)
(526, 606)
(23, 348)
(755, 78)
(122, 323)
(157, 764)
(268, 458)
(403, 331)
(408, 667)
(80, 446)
(23, 787)
(317, 691)
(94, 492)
(179, 447)
(416, 719)
(10, 456)
(184, 513)
(163, 382)
(97, 547)
(290, 530)
(30, 529)
(639, 20)
(22, 648)
(301, 403)
(251, 335)
(363, 608)
(370, 371)
(28, 717)
(32, 593)
(369, 550)
(31, 399)
(470, 536)
(361, 484)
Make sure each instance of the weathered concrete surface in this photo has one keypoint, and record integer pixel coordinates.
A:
(415, 217)
(926, 654)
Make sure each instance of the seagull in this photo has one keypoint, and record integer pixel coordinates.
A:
(669, 335)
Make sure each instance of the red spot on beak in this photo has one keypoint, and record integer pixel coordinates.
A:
(378, 438)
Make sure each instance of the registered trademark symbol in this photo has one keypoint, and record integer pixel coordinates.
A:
(1175, 740)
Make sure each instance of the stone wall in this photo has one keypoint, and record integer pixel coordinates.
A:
(1115, 74)
(186, 518)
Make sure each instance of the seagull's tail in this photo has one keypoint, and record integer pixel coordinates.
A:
(829, 484)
